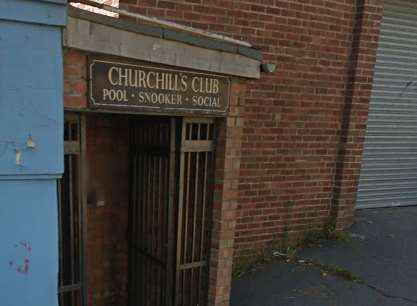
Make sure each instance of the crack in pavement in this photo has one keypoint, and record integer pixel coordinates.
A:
(348, 276)
(387, 295)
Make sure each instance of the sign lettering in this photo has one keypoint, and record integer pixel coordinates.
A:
(115, 85)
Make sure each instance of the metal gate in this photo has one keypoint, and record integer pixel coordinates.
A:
(171, 172)
(70, 208)
(389, 166)
(151, 211)
(194, 212)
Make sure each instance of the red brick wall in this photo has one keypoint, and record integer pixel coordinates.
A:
(303, 125)
(107, 254)
(75, 79)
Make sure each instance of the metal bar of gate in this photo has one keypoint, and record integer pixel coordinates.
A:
(180, 209)
(206, 154)
(194, 222)
(187, 204)
(160, 224)
(171, 224)
(140, 202)
(84, 216)
(146, 222)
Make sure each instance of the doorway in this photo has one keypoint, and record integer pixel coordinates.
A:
(148, 199)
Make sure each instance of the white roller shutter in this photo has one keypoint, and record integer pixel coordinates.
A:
(389, 166)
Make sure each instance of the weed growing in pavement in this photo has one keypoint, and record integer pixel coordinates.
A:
(276, 252)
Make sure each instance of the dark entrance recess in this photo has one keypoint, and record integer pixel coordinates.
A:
(171, 167)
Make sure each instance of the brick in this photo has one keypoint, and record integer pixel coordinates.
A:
(297, 160)
(75, 102)
(75, 83)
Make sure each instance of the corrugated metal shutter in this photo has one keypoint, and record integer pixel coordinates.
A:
(389, 166)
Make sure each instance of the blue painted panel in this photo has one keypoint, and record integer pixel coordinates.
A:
(28, 243)
(31, 99)
(52, 13)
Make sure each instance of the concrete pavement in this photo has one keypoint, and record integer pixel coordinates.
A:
(382, 254)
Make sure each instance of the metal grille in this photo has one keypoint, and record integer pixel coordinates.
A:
(170, 211)
(70, 218)
(150, 212)
(389, 166)
(194, 212)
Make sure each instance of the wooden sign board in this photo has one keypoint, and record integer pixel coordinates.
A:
(146, 88)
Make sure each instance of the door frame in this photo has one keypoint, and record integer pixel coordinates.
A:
(175, 167)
